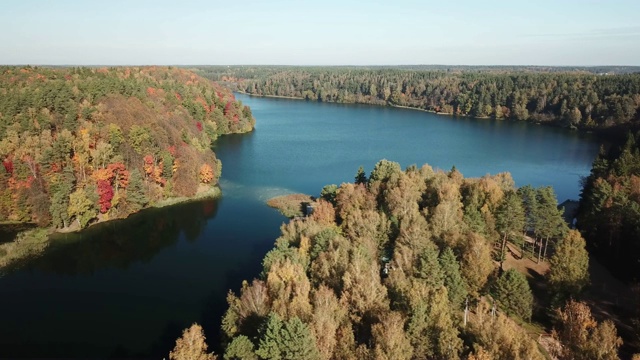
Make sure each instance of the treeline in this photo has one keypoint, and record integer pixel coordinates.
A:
(569, 99)
(84, 144)
(610, 208)
(385, 268)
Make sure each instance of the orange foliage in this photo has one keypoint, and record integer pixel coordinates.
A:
(206, 173)
(153, 171)
(202, 102)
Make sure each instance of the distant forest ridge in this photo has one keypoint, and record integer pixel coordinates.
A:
(590, 98)
(603, 69)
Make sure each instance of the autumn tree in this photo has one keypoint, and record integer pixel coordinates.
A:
(582, 337)
(206, 174)
(81, 207)
(390, 340)
(191, 346)
(569, 272)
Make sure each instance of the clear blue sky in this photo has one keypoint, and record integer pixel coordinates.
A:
(329, 32)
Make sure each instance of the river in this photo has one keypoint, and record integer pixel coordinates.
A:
(128, 288)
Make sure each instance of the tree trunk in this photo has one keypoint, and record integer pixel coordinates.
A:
(539, 251)
(504, 244)
(544, 256)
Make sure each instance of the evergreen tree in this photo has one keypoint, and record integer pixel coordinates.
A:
(549, 221)
(509, 219)
(513, 294)
(240, 348)
(286, 340)
(61, 190)
(453, 280)
(428, 268)
(361, 177)
(136, 197)
(329, 193)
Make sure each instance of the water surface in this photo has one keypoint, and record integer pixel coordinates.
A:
(127, 288)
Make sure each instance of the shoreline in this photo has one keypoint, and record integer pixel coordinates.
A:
(212, 192)
(599, 132)
(34, 241)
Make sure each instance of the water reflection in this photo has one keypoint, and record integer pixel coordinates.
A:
(120, 243)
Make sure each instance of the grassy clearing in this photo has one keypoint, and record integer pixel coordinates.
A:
(290, 205)
(204, 192)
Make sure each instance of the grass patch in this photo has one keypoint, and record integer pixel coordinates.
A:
(204, 192)
(291, 205)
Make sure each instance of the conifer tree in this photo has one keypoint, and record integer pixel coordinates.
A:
(240, 348)
(136, 197)
(513, 293)
(452, 278)
(286, 340)
(509, 219)
(361, 177)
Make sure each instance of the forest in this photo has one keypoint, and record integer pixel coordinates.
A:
(81, 145)
(610, 208)
(583, 98)
(417, 264)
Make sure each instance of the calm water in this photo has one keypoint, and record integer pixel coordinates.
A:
(127, 288)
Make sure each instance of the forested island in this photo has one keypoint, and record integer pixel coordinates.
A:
(586, 98)
(83, 145)
(418, 264)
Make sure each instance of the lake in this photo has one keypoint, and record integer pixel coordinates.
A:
(129, 287)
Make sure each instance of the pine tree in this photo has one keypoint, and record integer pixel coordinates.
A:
(513, 293)
(509, 219)
(453, 280)
(549, 221)
(428, 268)
(361, 177)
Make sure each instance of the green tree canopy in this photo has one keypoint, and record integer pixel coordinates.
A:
(513, 294)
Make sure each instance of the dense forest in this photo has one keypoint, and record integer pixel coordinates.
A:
(577, 99)
(610, 208)
(80, 145)
(416, 264)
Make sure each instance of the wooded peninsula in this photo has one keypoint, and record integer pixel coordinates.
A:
(82, 145)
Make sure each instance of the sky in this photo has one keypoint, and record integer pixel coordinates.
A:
(328, 32)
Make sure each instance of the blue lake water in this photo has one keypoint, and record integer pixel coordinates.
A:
(128, 288)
